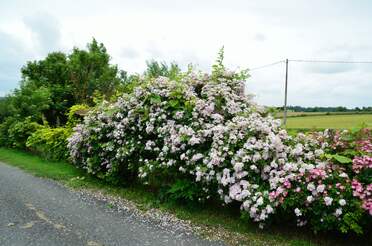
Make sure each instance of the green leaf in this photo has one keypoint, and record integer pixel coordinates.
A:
(154, 99)
(173, 103)
(339, 158)
(342, 159)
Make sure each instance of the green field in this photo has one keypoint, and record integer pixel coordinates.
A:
(346, 121)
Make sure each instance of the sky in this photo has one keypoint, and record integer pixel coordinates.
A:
(254, 33)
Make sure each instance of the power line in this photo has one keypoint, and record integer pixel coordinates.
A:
(311, 61)
(330, 61)
(267, 65)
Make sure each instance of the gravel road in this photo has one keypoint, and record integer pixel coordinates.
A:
(36, 211)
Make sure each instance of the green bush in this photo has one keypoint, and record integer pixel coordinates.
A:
(76, 114)
(50, 143)
(4, 135)
(18, 132)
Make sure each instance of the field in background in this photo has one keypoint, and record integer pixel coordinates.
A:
(303, 114)
(322, 120)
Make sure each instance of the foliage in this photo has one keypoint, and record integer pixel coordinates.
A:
(89, 71)
(50, 143)
(51, 73)
(4, 134)
(155, 69)
(184, 191)
(19, 131)
(76, 114)
(29, 101)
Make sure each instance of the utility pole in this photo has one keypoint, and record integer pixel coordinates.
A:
(285, 93)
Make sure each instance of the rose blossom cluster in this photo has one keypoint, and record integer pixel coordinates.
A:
(364, 193)
(358, 145)
(362, 162)
(204, 129)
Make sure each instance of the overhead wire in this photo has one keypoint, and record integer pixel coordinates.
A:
(267, 65)
(310, 61)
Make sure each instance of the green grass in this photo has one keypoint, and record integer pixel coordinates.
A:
(330, 121)
(211, 218)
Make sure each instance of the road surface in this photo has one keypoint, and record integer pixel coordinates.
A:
(36, 211)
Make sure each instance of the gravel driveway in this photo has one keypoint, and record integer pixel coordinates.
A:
(36, 211)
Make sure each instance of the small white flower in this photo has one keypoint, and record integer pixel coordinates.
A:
(297, 212)
(342, 202)
(259, 201)
(311, 186)
(338, 212)
(343, 175)
(320, 188)
(310, 198)
(318, 152)
(253, 167)
(269, 209)
(328, 200)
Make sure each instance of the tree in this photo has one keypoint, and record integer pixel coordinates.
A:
(30, 101)
(90, 70)
(51, 73)
(61, 80)
(156, 69)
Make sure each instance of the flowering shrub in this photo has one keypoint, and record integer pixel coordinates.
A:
(204, 130)
(353, 150)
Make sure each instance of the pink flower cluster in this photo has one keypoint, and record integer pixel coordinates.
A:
(361, 162)
(364, 193)
(365, 145)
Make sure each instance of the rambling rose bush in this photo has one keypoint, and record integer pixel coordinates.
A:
(203, 129)
(353, 151)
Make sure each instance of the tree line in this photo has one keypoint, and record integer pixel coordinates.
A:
(326, 109)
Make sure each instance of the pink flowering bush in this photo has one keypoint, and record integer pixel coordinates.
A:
(203, 138)
(353, 150)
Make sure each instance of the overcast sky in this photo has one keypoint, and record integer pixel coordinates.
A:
(254, 33)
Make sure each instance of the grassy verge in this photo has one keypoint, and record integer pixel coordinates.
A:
(211, 218)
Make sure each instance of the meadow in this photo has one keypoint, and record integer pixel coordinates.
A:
(334, 121)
